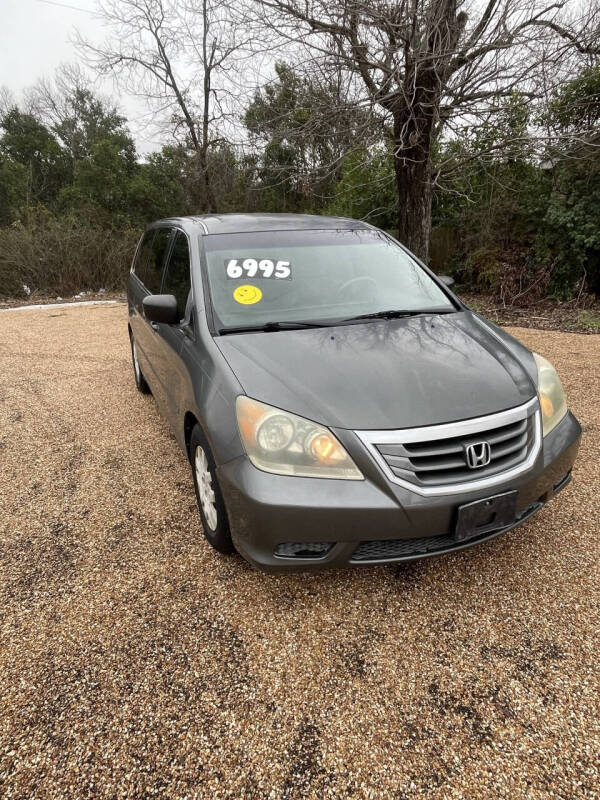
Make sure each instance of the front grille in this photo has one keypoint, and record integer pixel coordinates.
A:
(389, 549)
(435, 458)
(383, 549)
(443, 461)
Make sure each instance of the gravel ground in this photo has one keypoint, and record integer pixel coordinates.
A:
(137, 662)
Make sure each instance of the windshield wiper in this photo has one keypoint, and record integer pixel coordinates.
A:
(286, 325)
(396, 313)
(290, 325)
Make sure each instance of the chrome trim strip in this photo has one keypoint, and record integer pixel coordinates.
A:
(465, 428)
(446, 430)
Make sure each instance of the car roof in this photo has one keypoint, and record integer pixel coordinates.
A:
(243, 223)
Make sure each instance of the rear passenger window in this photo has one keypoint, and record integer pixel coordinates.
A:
(156, 260)
(140, 265)
(177, 278)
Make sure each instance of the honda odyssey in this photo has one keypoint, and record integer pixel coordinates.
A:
(338, 404)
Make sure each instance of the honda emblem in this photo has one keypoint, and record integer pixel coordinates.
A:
(478, 455)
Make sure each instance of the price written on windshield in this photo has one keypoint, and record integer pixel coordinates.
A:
(258, 268)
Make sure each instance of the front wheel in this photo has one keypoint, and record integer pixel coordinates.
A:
(208, 494)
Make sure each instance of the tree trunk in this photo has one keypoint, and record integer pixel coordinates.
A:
(413, 185)
(209, 202)
(412, 168)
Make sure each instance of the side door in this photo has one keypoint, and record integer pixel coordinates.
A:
(146, 333)
(177, 281)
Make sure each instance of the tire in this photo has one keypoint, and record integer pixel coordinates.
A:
(208, 494)
(140, 381)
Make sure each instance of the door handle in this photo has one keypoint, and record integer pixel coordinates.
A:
(155, 326)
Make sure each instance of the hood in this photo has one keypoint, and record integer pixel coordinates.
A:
(400, 373)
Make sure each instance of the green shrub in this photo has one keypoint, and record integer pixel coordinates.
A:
(60, 256)
(570, 232)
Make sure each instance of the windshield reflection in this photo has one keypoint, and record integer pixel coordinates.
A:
(314, 276)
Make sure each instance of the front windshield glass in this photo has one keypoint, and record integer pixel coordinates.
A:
(304, 276)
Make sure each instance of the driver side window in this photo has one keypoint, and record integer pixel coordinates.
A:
(156, 258)
(177, 274)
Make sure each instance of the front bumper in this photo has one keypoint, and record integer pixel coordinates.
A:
(267, 510)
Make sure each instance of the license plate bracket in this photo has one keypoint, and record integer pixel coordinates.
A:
(483, 516)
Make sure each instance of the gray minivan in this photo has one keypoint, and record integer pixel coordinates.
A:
(339, 405)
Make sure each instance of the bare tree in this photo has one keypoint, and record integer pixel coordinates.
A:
(68, 105)
(7, 101)
(50, 99)
(431, 65)
(183, 57)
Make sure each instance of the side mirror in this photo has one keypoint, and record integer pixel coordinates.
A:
(161, 308)
(447, 279)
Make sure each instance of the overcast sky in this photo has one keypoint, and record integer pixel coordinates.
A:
(35, 38)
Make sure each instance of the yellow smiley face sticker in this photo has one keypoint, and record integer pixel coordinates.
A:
(247, 295)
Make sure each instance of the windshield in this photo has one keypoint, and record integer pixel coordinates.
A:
(302, 276)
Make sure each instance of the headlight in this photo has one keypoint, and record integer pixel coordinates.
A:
(552, 397)
(286, 444)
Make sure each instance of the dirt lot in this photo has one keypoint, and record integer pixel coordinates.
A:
(134, 661)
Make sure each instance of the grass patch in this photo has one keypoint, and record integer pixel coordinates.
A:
(590, 321)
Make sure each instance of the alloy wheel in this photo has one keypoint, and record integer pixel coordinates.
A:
(136, 364)
(205, 488)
